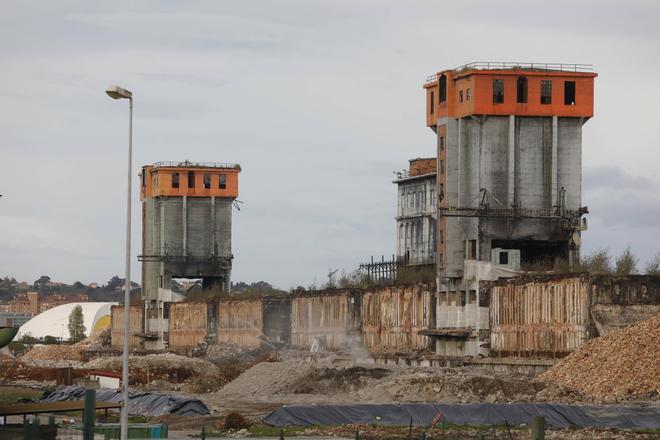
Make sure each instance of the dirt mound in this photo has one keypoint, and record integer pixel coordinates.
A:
(65, 354)
(621, 365)
(337, 380)
(165, 371)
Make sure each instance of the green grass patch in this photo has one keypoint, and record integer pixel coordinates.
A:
(12, 394)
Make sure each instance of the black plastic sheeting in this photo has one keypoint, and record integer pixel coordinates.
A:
(422, 414)
(139, 403)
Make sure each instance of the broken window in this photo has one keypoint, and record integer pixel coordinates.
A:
(207, 181)
(443, 88)
(191, 179)
(569, 92)
(498, 91)
(223, 181)
(442, 143)
(468, 94)
(431, 103)
(504, 258)
(175, 180)
(460, 96)
(521, 95)
(546, 91)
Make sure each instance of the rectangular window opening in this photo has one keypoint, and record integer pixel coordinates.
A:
(223, 181)
(191, 179)
(442, 143)
(569, 92)
(498, 91)
(432, 103)
(460, 96)
(504, 258)
(468, 94)
(207, 181)
(521, 95)
(175, 180)
(546, 91)
(442, 166)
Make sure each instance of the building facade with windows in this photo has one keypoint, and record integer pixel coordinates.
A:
(509, 149)
(416, 213)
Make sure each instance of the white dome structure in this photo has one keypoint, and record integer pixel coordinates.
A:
(55, 322)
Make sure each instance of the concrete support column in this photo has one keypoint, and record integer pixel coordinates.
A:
(213, 244)
(512, 160)
(553, 172)
(184, 223)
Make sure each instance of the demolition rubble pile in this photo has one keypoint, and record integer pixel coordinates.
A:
(623, 364)
(64, 355)
(166, 371)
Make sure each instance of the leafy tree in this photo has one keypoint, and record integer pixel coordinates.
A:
(653, 268)
(626, 263)
(49, 340)
(115, 283)
(43, 279)
(78, 285)
(598, 262)
(76, 324)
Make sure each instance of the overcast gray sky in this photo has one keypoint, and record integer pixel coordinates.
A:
(318, 102)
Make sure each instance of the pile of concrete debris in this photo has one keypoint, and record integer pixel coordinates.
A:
(165, 371)
(53, 355)
(621, 365)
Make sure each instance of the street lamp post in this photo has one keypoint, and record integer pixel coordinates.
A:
(116, 92)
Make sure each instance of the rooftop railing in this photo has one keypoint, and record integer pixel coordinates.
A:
(187, 164)
(508, 65)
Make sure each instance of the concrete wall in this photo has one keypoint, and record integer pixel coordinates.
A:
(554, 315)
(187, 324)
(539, 317)
(333, 315)
(240, 322)
(117, 330)
(392, 318)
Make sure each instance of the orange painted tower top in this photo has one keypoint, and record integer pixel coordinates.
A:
(521, 89)
(192, 179)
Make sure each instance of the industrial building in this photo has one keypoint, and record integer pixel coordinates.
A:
(509, 152)
(416, 213)
(186, 233)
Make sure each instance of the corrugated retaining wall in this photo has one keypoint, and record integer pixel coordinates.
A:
(392, 317)
(333, 315)
(539, 317)
(240, 322)
(136, 326)
(188, 325)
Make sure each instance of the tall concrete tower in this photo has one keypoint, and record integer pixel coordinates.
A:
(186, 233)
(509, 146)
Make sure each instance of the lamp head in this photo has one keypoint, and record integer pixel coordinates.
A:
(116, 92)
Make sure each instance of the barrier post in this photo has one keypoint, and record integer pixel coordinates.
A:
(538, 428)
(89, 414)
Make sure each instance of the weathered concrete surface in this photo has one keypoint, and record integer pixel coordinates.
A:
(333, 315)
(392, 318)
(240, 322)
(187, 324)
(136, 326)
